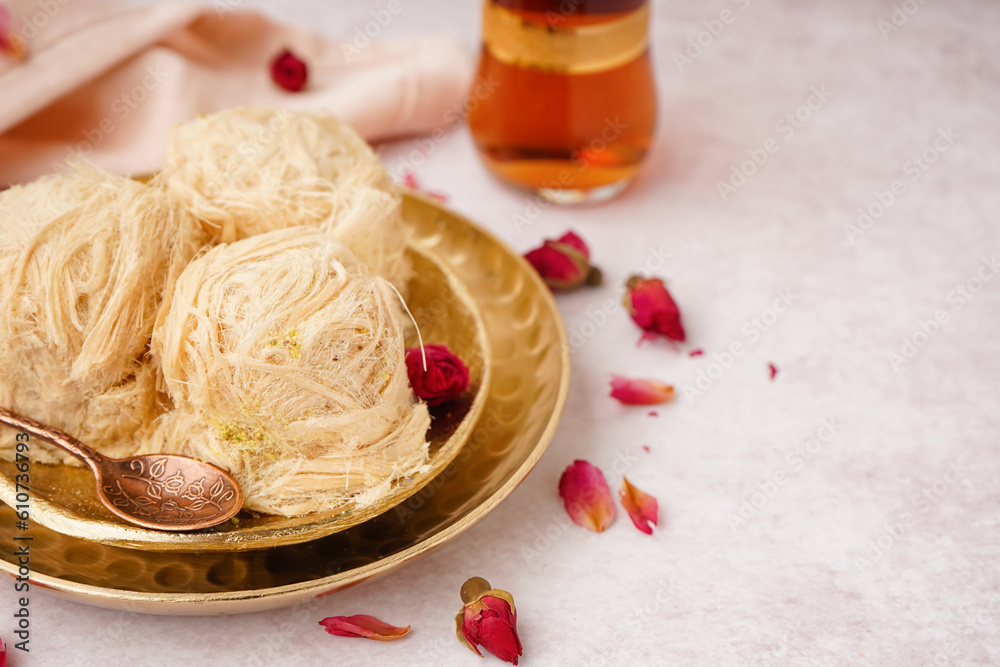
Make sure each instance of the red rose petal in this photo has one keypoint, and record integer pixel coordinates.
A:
(696, 353)
(289, 71)
(645, 448)
(774, 370)
(653, 413)
(561, 270)
(362, 625)
(574, 241)
(446, 376)
(641, 507)
(5, 22)
(586, 495)
(564, 263)
(641, 391)
(489, 620)
(497, 630)
(653, 309)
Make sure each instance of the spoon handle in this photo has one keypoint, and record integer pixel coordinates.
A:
(55, 436)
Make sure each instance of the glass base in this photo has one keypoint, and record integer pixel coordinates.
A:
(587, 183)
(586, 195)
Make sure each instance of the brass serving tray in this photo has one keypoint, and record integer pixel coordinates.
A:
(529, 359)
(64, 497)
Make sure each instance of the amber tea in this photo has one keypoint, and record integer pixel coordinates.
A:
(573, 107)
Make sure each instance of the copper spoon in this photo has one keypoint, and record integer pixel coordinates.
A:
(159, 491)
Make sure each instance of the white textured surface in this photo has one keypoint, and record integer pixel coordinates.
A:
(788, 587)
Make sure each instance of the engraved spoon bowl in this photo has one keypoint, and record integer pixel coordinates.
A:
(158, 491)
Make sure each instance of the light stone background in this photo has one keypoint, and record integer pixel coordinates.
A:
(844, 563)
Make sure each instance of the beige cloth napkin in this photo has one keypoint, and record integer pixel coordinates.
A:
(108, 80)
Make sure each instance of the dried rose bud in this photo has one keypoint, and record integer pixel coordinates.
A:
(641, 507)
(488, 619)
(444, 378)
(586, 495)
(289, 71)
(361, 625)
(653, 309)
(564, 264)
(640, 392)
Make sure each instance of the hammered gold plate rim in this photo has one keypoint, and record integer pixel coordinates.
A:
(115, 532)
(252, 600)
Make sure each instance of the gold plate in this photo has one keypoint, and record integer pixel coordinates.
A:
(64, 498)
(529, 359)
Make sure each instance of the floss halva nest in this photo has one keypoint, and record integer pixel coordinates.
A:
(247, 171)
(85, 259)
(285, 362)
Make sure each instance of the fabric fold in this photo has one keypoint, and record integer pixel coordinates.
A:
(105, 82)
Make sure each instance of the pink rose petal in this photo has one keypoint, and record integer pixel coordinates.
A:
(289, 72)
(445, 377)
(574, 241)
(696, 353)
(774, 370)
(641, 391)
(653, 308)
(9, 42)
(586, 495)
(564, 263)
(491, 623)
(561, 269)
(653, 413)
(410, 181)
(641, 507)
(362, 625)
